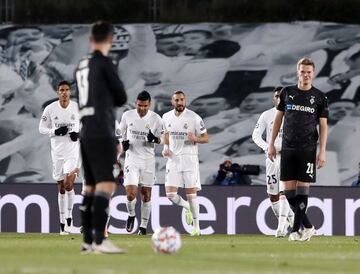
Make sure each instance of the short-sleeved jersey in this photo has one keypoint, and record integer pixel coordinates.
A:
(302, 111)
(265, 123)
(55, 116)
(135, 129)
(99, 91)
(178, 128)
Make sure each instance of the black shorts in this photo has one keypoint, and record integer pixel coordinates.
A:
(99, 158)
(298, 165)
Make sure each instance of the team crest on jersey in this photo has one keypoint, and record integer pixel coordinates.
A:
(44, 118)
(72, 117)
(169, 125)
(56, 118)
(147, 126)
(185, 125)
(131, 124)
(312, 100)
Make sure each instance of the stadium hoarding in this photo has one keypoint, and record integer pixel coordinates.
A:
(223, 210)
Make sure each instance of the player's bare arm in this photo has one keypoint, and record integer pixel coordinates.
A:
(321, 157)
(276, 127)
(166, 151)
(202, 139)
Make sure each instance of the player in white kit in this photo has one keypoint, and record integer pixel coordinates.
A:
(140, 130)
(279, 203)
(184, 130)
(60, 121)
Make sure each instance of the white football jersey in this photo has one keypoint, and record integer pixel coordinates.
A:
(55, 116)
(265, 122)
(135, 129)
(178, 128)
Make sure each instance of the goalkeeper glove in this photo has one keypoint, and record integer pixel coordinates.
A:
(74, 136)
(125, 145)
(61, 131)
(152, 138)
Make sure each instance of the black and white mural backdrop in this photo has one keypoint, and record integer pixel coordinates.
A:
(228, 72)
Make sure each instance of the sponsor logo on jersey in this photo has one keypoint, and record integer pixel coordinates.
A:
(131, 124)
(44, 118)
(300, 108)
(312, 100)
(292, 97)
(185, 125)
(169, 125)
(72, 117)
(56, 118)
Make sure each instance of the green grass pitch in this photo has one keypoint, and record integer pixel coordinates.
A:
(55, 254)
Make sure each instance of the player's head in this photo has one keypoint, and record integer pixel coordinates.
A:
(276, 95)
(195, 37)
(305, 71)
(64, 90)
(171, 44)
(257, 102)
(208, 105)
(338, 110)
(101, 36)
(143, 102)
(178, 101)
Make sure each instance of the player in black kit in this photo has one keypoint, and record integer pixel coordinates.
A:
(303, 107)
(100, 91)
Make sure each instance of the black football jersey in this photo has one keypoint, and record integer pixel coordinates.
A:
(99, 91)
(302, 111)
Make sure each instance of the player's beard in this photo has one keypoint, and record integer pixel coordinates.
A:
(180, 108)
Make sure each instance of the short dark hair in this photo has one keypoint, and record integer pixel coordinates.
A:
(144, 96)
(278, 88)
(179, 92)
(62, 83)
(101, 30)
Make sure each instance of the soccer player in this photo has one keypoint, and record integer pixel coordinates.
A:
(140, 129)
(279, 203)
(100, 91)
(302, 107)
(60, 121)
(184, 130)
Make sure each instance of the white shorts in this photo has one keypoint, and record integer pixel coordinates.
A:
(62, 166)
(274, 186)
(139, 174)
(183, 172)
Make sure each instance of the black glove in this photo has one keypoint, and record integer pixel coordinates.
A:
(61, 131)
(74, 136)
(152, 138)
(125, 145)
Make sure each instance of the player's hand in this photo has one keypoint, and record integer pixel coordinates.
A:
(125, 145)
(61, 131)
(271, 152)
(74, 136)
(320, 159)
(166, 153)
(191, 136)
(152, 138)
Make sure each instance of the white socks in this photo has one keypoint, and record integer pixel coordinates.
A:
(285, 213)
(130, 205)
(276, 208)
(145, 213)
(176, 199)
(70, 195)
(62, 207)
(194, 208)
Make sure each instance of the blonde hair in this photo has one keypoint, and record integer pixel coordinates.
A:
(306, 62)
